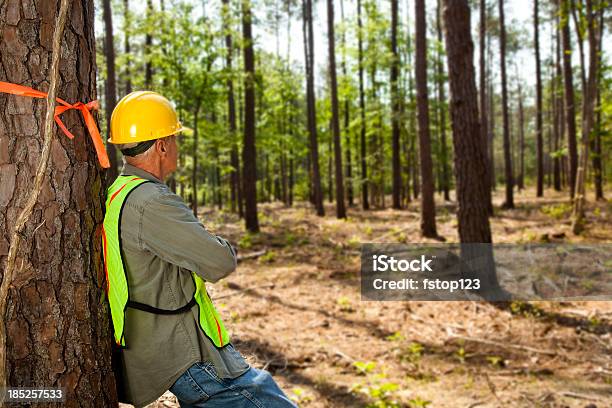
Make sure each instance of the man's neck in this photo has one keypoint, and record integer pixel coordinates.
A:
(149, 169)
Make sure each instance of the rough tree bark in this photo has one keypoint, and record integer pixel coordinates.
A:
(428, 207)
(58, 332)
(470, 154)
(249, 174)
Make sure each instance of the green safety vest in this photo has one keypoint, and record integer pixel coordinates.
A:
(116, 276)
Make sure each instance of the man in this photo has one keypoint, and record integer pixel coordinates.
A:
(157, 256)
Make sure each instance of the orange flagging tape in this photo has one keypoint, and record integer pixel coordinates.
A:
(85, 109)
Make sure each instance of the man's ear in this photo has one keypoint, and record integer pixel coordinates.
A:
(162, 146)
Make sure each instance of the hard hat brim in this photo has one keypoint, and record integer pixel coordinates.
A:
(182, 129)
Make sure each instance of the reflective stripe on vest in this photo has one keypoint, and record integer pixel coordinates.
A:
(116, 276)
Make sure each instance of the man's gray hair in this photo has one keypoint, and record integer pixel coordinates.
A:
(142, 156)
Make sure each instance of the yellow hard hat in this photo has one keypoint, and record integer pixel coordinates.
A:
(141, 116)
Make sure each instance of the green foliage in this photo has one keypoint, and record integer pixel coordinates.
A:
(246, 240)
(414, 352)
(418, 402)
(345, 304)
(558, 211)
(364, 367)
(268, 257)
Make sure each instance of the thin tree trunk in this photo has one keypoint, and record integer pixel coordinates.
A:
(558, 127)
(347, 133)
(148, 48)
(570, 109)
(539, 125)
(340, 205)
(57, 332)
(231, 113)
(442, 111)
(580, 40)
(597, 159)
(364, 168)
(126, 45)
(317, 194)
(493, 181)
(588, 120)
(509, 203)
(483, 97)
(330, 166)
(411, 156)
(428, 207)
(521, 143)
(395, 111)
(291, 178)
(111, 87)
(194, 174)
(249, 153)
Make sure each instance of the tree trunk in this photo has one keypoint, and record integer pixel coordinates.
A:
(470, 153)
(492, 180)
(483, 97)
(395, 111)
(317, 194)
(442, 110)
(340, 205)
(570, 109)
(231, 115)
(347, 121)
(249, 175)
(291, 178)
(412, 157)
(589, 118)
(558, 115)
(428, 208)
(111, 87)
(330, 166)
(58, 334)
(509, 203)
(194, 174)
(580, 40)
(364, 168)
(597, 162)
(539, 125)
(148, 47)
(521, 143)
(126, 46)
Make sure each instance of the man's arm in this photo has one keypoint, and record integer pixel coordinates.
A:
(169, 229)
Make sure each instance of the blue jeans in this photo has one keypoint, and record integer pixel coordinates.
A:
(200, 386)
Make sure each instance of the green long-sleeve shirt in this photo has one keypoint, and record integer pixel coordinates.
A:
(162, 242)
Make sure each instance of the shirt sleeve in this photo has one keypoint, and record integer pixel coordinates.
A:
(169, 229)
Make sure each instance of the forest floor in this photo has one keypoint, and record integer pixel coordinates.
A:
(296, 311)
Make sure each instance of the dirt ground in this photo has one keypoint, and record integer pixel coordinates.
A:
(296, 311)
